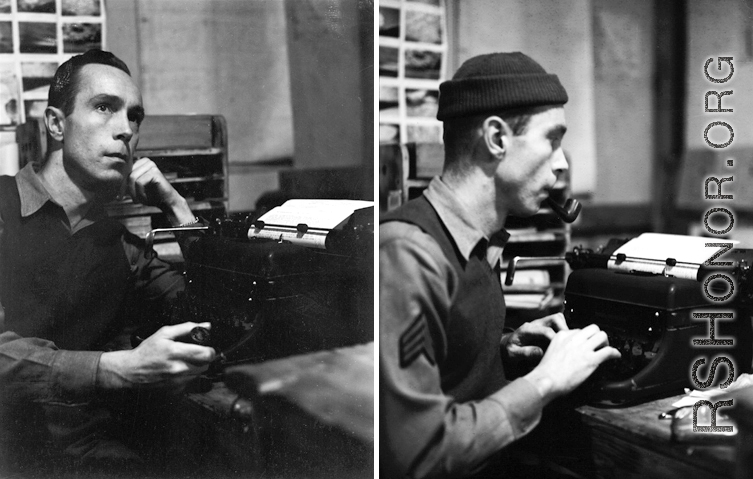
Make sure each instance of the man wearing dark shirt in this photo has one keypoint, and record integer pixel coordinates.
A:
(447, 407)
(71, 279)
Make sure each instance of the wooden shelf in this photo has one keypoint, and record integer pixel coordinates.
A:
(193, 179)
(538, 237)
(134, 209)
(412, 182)
(179, 152)
(536, 288)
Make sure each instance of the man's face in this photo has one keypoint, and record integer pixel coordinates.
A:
(102, 131)
(532, 162)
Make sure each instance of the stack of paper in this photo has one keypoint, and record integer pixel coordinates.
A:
(305, 222)
(650, 252)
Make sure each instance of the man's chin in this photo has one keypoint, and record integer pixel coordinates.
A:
(111, 187)
(528, 211)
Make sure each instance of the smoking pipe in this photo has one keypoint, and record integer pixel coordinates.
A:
(567, 213)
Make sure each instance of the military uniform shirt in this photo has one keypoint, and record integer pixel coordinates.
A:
(424, 432)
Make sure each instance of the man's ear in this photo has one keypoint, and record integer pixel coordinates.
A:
(496, 136)
(54, 120)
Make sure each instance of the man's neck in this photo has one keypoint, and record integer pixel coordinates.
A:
(75, 200)
(476, 192)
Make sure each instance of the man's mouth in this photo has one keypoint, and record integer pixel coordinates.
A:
(121, 156)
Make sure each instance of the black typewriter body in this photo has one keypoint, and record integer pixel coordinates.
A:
(267, 299)
(648, 318)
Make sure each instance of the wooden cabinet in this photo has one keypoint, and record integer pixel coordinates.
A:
(190, 150)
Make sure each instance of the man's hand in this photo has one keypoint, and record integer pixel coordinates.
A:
(148, 186)
(159, 362)
(570, 359)
(529, 341)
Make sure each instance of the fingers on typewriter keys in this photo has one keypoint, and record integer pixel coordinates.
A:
(596, 339)
(590, 330)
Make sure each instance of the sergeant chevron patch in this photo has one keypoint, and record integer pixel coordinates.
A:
(414, 342)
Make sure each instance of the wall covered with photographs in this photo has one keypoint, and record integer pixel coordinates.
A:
(412, 64)
(36, 36)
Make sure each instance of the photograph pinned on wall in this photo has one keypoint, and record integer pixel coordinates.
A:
(389, 133)
(37, 6)
(421, 103)
(38, 37)
(426, 2)
(90, 8)
(9, 95)
(80, 37)
(388, 61)
(34, 108)
(424, 64)
(423, 27)
(388, 103)
(4, 6)
(6, 37)
(424, 134)
(389, 22)
(36, 78)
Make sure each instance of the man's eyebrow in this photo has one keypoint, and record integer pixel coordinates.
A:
(114, 99)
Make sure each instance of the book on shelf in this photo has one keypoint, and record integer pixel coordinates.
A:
(528, 280)
(531, 235)
(540, 300)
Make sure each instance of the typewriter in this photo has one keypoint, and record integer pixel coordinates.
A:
(268, 298)
(645, 303)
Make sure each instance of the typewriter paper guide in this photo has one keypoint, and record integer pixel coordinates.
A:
(648, 253)
(319, 217)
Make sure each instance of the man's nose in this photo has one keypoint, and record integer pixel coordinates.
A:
(123, 128)
(559, 161)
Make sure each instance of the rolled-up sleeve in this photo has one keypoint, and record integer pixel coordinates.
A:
(426, 433)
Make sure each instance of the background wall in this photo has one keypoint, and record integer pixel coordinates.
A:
(722, 28)
(719, 28)
(233, 57)
(623, 45)
(201, 56)
(331, 50)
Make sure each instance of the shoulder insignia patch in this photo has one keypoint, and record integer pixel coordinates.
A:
(414, 342)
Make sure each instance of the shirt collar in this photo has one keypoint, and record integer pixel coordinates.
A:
(464, 233)
(31, 191)
(34, 196)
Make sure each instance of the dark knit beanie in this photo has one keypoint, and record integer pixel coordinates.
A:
(497, 82)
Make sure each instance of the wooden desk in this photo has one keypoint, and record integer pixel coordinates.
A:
(310, 416)
(632, 442)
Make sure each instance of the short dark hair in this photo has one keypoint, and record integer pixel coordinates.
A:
(458, 131)
(65, 82)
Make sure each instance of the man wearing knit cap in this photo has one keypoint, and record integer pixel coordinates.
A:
(447, 407)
